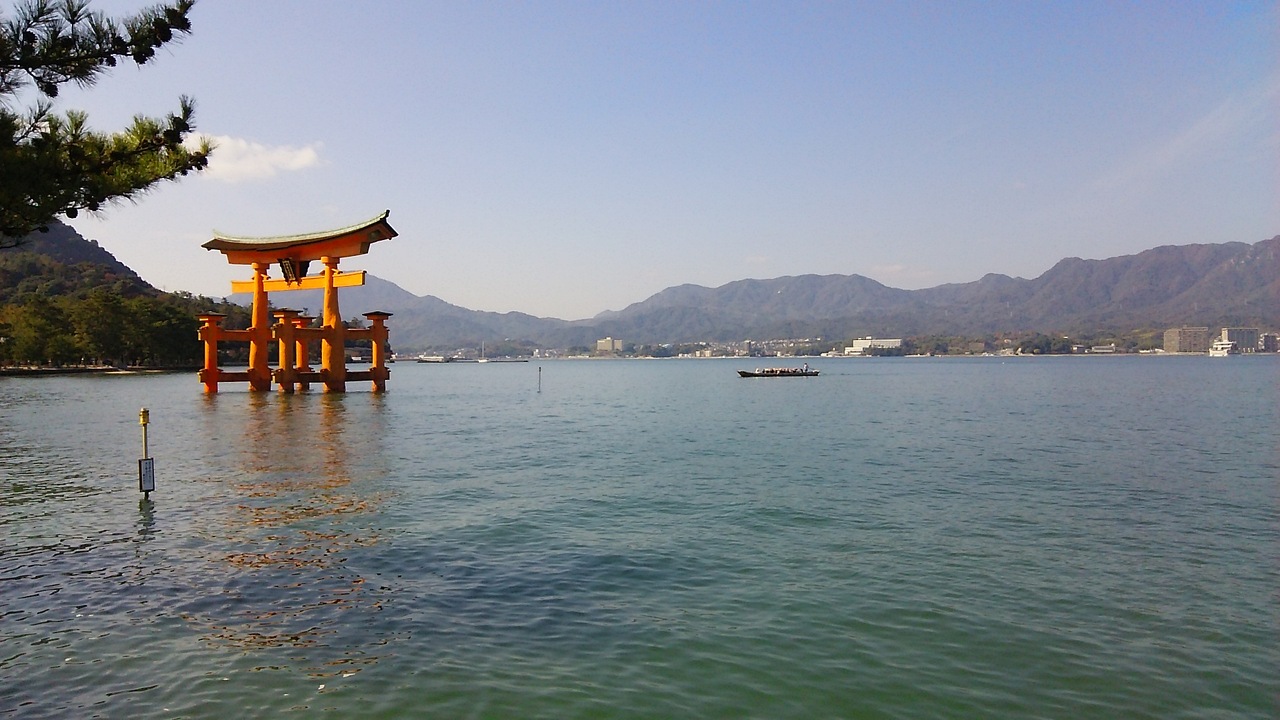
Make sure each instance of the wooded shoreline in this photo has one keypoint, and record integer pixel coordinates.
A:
(40, 371)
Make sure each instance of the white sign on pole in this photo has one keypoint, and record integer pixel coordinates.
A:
(147, 475)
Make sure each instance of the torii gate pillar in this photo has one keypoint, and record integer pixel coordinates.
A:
(333, 354)
(260, 335)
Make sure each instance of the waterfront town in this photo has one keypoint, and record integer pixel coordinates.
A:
(1180, 340)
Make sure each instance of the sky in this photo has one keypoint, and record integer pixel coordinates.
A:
(566, 158)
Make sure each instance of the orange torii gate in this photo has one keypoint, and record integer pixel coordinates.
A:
(294, 253)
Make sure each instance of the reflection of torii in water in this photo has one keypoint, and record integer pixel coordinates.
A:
(294, 253)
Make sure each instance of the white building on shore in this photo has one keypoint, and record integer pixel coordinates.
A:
(860, 346)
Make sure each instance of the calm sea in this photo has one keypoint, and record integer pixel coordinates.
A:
(896, 538)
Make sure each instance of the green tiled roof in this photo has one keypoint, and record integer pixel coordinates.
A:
(221, 241)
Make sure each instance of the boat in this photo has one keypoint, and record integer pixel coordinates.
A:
(1223, 348)
(804, 371)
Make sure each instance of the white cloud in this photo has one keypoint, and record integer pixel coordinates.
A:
(237, 160)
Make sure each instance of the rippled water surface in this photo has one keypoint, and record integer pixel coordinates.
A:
(1050, 538)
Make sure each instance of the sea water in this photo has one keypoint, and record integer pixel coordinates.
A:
(895, 538)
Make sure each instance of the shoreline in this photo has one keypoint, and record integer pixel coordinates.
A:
(38, 371)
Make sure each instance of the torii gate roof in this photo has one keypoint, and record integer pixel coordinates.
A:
(342, 242)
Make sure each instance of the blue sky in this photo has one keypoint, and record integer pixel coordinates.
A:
(565, 158)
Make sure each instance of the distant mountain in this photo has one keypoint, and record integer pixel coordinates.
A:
(1214, 285)
(797, 306)
(63, 244)
(1231, 284)
(61, 262)
(421, 322)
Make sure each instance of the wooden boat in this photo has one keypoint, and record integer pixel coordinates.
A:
(779, 372)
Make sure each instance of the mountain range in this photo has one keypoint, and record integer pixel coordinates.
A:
(1215, 285)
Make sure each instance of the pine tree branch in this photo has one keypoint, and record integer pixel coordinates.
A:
(53, 164)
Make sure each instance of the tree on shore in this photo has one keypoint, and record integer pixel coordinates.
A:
(52, 164)
(1045, 345)
(104, 327)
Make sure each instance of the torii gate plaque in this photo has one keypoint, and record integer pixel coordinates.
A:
(293, 253)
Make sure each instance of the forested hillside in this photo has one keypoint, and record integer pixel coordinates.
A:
(65, 300)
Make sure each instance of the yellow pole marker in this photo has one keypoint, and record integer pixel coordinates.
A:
(146, 466)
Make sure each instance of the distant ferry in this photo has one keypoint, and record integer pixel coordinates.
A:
(1223, 348)
(454, 359)
(803, 371)
(445, 359)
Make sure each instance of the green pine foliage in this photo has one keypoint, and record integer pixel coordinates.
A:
(53, 164)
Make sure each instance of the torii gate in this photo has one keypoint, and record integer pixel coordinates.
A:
(293, 253)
